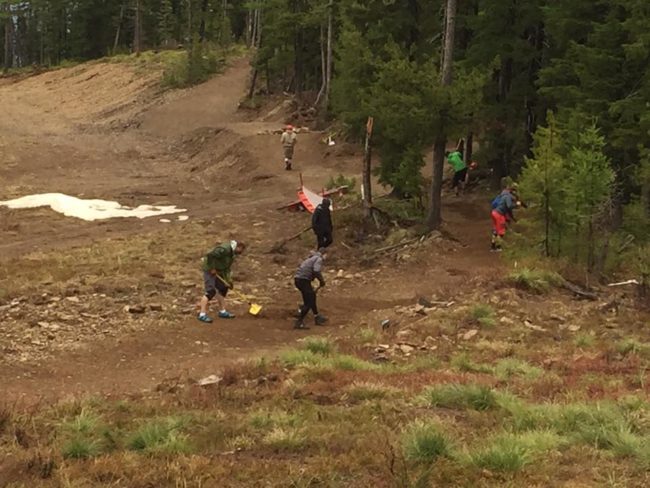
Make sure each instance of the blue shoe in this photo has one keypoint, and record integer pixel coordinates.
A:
(226, 315)
(204, 318)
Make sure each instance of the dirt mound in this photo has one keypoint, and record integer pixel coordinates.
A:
(219, 156)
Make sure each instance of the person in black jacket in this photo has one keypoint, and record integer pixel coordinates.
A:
(321, 223)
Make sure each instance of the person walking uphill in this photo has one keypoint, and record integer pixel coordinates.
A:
(289, 140)
(217, 277)
(309, 270)
(455, 159)
(321, 224)
(502, 214)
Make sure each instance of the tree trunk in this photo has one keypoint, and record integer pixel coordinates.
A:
(8, 54)
(136, 31)
(251, 91)
(189, 25)
(119, 29)
(323, 64)
(255, 27)
(328, 72)
(298, 61)
(249, 27)
(434, 219)
(204, 12)
(468, 148)
(367, 163)
(258, 37)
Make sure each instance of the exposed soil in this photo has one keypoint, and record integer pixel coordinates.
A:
(102, 131)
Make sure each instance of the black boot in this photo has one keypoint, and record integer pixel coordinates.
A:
(300, 325)
(320, 319)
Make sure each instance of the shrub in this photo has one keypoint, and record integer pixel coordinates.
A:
(195, 66)
(476, 397)
(340, 180)
(534, 280)
(424, 442)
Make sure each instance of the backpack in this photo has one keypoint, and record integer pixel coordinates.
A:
(496, 201)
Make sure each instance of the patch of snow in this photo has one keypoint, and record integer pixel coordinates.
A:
(88, 210)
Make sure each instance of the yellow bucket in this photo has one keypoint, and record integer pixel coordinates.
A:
(254, 309)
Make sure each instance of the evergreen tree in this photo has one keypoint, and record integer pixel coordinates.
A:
(569, 182)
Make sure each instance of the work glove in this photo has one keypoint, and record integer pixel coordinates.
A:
(322, 284)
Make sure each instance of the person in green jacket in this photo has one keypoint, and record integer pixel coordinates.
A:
(455, 160)
(217, 277)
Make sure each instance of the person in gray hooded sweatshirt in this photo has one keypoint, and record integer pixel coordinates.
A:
(309, 270)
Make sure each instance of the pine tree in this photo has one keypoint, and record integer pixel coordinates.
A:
(589, 187)
(543, 182)
(166, 22)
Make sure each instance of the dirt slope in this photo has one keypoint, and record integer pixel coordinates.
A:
(192, 148)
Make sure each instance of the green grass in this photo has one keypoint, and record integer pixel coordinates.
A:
(161, 436)
(294, 358)
(285, 439)
(297, 357)
(363, 391)
(264, 419)
(585, 340)
(510, 452)
(425, 442)
(475, 397)
(501, 457)
(463, 362)
(632, 346)
(80, 447)
(83, 423)
(509, 367)
(367, 335)
(483, 314)
(352, 363)
(319, 345)
(535, 280)
(82, 436)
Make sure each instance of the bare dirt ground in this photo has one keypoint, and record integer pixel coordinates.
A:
(101, 131)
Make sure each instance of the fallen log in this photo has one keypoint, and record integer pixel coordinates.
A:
(395, 246)
(579, 291)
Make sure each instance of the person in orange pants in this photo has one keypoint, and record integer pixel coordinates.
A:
(502, 214)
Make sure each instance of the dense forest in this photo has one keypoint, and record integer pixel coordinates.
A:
(429, 72)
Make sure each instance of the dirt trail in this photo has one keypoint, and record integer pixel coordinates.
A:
(195, 150)
(211, 104)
